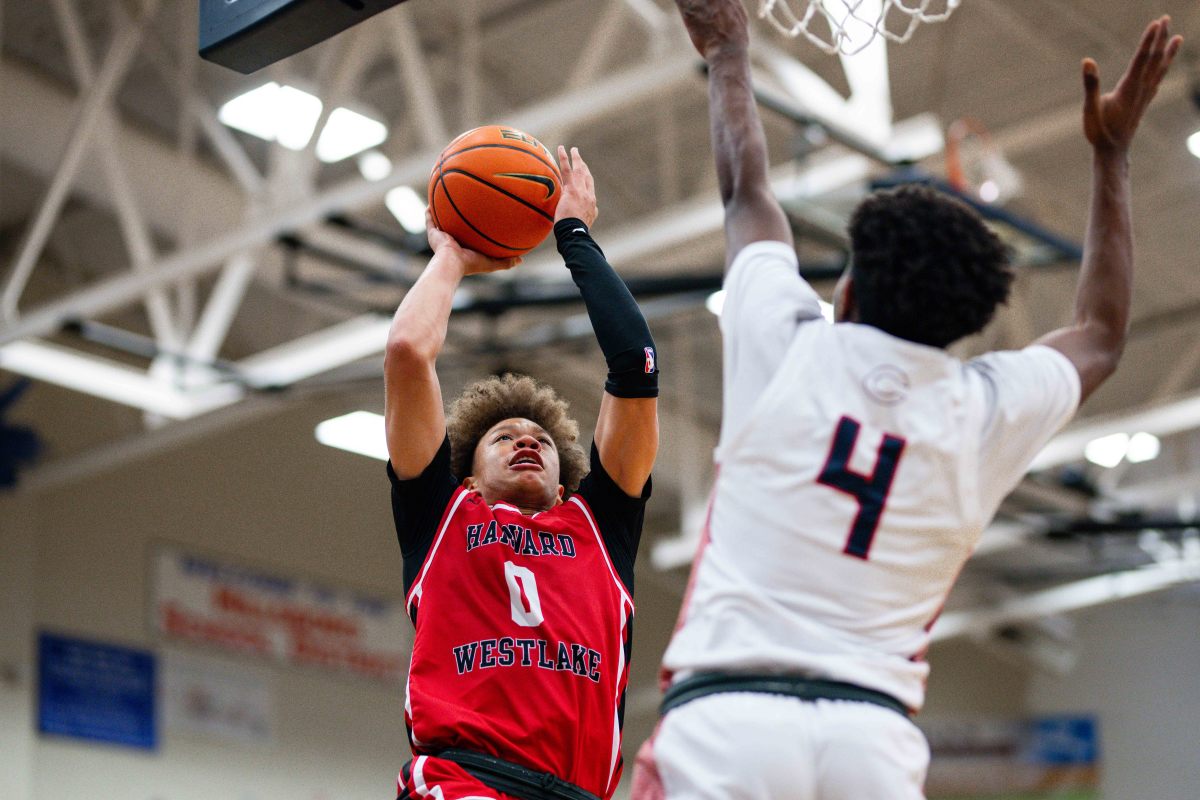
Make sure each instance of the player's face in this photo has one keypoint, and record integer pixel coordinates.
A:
(516, 462)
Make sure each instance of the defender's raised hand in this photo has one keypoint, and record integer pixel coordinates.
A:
(715, 25)
(578, 199)
(1110, 120)
(472, 262)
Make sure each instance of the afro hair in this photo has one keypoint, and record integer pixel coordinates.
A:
(925, 266)
(486, 402)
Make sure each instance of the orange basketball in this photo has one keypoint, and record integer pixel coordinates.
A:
(494, 189)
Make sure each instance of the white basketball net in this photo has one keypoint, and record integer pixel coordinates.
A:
(849, 26)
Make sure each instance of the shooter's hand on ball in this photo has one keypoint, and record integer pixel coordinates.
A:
(472, 262)
(578, 199)
(1110, 120)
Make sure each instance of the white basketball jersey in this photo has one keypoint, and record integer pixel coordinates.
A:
(856, 472)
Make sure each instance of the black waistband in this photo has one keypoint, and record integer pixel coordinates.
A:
(509, 778)
(706, 683)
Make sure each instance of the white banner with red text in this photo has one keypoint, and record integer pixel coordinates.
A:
(206, 600)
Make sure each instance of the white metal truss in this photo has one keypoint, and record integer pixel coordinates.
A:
(239, 220)
(1179, 567)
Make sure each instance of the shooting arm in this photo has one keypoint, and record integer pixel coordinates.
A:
(627, 427)
(415, 421)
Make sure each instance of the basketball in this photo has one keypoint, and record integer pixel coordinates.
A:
(495, 189)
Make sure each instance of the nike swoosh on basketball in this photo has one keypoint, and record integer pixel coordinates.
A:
(538, 179)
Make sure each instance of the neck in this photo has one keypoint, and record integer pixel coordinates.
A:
(523, 504)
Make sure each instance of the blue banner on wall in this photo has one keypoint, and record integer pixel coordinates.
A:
(96, 691)
(1014, 759)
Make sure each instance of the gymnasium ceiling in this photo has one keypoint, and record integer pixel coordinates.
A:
(168, 204)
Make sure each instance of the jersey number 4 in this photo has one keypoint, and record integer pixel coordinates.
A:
(870, 491)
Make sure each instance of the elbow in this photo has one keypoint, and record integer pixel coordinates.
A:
(1109, 360)
(1108, 345)
(406, 352)
(1109, 342)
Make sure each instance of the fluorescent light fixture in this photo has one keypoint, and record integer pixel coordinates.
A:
(1193, 144)
(374, 165)
(359, 337)
(407, 207)
(1143, 447)
(347, 133)
(1107, 451)
(110, 380)
(276, 113)
(298, 114)
(358, 432)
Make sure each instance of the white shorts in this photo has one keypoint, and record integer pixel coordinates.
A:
(753, 746)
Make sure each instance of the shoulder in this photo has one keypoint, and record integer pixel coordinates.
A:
(764, 275)
(1036, 370)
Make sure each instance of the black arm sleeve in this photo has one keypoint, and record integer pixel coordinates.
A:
(618, 516)
(417, 508)
(616, 319)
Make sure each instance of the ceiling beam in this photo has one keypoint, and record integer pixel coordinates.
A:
(1073, 596)
(604, 99)
(93, 107)
(34, 130)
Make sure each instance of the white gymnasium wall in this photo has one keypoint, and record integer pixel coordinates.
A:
(17, 537)
(74, 560)
(264, 495)
(1139, 672)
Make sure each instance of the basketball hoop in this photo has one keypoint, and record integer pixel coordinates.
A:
(976, 166)
(849, 26)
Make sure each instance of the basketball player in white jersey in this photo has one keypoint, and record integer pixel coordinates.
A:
(858, 462)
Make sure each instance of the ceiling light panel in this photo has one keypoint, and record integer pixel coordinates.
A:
(348, 133)
(275, 113)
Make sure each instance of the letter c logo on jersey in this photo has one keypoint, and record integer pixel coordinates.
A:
(886, 384)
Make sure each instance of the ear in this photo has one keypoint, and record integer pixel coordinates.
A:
(469, 483)
(558, 496)
(849, 311)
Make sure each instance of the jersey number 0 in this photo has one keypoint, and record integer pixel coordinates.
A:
(523, 595)
(870, 491)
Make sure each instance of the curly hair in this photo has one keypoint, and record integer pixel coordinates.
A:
(925, 266)
(486, 402)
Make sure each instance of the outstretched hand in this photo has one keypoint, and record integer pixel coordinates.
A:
(578, 199)
(1110, 120)
(715, 25)
(471, 261)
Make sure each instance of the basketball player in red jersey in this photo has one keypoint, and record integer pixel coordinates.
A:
(518, 567)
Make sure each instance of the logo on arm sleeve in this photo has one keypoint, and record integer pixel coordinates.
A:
(650, 361)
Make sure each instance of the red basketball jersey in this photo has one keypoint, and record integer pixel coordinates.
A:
(523, 632)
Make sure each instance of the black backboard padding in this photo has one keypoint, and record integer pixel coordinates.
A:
(247, 35)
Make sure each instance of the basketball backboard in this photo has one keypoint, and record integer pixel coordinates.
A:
(247, 35)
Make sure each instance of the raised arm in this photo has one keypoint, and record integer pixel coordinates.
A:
(720, 31)
(1095, 341)
(413, 414)
(627, 428)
